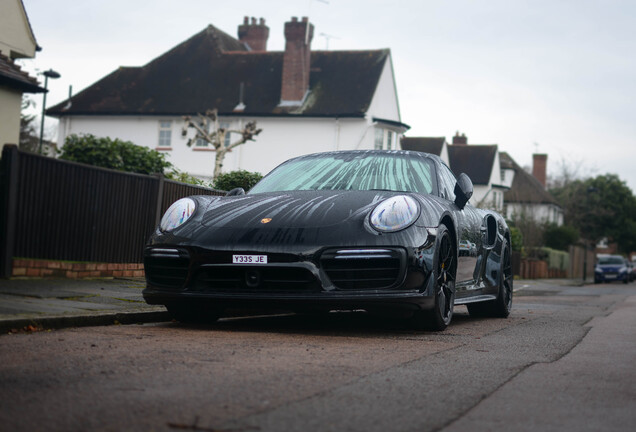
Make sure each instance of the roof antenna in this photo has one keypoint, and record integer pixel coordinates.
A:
(308, 14)
(328, 37)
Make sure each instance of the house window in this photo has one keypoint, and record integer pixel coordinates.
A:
(379, 139)
(165, 134)
(384, 139)
(502, 175)
(200, 142)
(226, 126)
(497, 200)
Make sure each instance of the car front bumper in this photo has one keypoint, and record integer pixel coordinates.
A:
(350, 278)
(610, 276)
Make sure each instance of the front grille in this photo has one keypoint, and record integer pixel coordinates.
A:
(360, 269)
(270, 279)
(166, 267)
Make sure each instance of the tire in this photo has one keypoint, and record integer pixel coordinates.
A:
(501, 306)
(444, 273)
(193, 313)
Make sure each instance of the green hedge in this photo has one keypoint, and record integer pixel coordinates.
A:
(556, 259)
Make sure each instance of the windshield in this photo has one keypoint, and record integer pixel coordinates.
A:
(611, 260)
(351, 171)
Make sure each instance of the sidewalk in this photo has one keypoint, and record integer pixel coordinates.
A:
(34, 304)
(58, 303)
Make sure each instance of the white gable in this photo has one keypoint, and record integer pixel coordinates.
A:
(16, 37)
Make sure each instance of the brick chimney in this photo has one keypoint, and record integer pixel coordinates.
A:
(254, 35)
(539, 167)
(460, 139)
(296, 60)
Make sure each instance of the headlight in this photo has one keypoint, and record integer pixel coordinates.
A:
(178, 213)
(394, 214)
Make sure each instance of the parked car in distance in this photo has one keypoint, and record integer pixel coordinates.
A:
(610, 268)
(390, 232)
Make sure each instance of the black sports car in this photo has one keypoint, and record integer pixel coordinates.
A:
(382, 231)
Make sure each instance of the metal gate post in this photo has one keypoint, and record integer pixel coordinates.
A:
(8, 207)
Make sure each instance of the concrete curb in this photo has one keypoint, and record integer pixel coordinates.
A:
(98, 319)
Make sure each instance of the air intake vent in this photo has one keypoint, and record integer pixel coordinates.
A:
(270, 279)
(166, 267)
(360, 269)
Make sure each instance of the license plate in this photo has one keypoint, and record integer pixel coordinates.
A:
(610, 276)
(249, 259)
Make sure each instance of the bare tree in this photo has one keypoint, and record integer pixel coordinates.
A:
(568, 171)
(208, 130)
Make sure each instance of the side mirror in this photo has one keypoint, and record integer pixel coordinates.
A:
(463, 190)
(236, 191)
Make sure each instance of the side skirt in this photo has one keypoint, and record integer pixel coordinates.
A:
(475, 299)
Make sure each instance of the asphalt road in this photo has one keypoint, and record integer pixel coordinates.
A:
(564, 360)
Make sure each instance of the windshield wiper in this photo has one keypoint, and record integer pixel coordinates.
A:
(389, 190)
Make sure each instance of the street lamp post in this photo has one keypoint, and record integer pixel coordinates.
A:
(47, 74)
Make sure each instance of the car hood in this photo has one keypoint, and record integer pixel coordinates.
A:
(297, 209)
(297, 220)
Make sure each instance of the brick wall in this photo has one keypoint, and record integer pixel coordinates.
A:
(74, 270)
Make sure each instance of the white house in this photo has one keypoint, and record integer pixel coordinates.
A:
(16, 41)
(479, 162)
(304, 101)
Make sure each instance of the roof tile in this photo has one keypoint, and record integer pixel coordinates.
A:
(11, 75)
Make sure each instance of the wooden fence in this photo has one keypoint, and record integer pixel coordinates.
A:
(581, 260)
(59, 210)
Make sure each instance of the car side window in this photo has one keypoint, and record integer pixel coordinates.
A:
(447, 183)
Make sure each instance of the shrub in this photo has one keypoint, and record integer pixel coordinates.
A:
(516, 238)
(560, 237)
(556, 259)
(184, 177)
(235, 179)
(114, 154)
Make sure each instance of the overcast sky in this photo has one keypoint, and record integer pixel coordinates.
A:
(547, 76)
